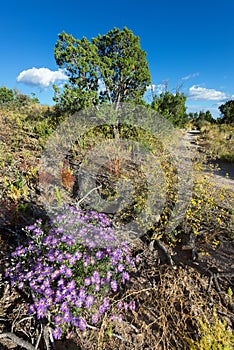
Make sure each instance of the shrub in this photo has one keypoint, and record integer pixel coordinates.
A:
(69, 268)
(213, 336)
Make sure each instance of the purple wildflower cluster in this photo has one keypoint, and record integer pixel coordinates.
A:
(70, 267)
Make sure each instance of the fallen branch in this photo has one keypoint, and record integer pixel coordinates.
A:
(24, 344)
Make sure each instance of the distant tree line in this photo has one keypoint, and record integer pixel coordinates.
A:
(13, 98)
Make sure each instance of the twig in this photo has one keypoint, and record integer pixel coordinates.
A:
(24, 344)
(112, 334)
(46, 335)
(14, 321)
(210, 283)
(87, 194)
(39, 337)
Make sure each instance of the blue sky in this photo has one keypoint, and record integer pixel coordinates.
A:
(188, 43)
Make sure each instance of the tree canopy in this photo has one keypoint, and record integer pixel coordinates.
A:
(171, 106)
(110, 68)
(227, 112)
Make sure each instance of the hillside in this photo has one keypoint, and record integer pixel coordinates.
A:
(182, 286)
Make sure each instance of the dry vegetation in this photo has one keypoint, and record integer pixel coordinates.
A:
(183, 292)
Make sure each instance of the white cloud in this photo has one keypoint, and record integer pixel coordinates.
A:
(200, 93)
(158, 89)
(232, 96)
(189, 76)
(41, 77)
(151, 87)
(101, 85)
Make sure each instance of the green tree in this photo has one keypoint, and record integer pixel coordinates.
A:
(13, 98)
(227, 112)
(205, 116)
(6, 95)
(110, 68)
(172, 106)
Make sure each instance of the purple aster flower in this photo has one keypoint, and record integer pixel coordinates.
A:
(49, 301)
(87, 281)
(32, 309)
(75, 321)
(40, 278)
(54, 242)
(46, 270)
(120, 268)
(46, 282)
(120, 304)
(71, 285)
(58, 319)
(114, 285)
(56, 253)
(103, 280)
(71, 242)
(67, 317)
(125, 276)
(61, 282)
(108, 276)
(72, 261)
(99, 255)
(69, 297)
(78, 255)
(37, 288)
(47, 240)
(59, 230)
(68, 255)
(79, 303)
(82, 324)
(41, 312)
(21, 285)
(92, 261)
(60, 257)
(32, 284)
(68, 272)
(48, 292)
(64, 238)
(42, 303)
(89, 301)
(29, 275)
(22, 251)
(56, 274)
(132, 305)
(120, 318)
(73, 294)
(113, 261)
(64, 307)
(95, 318)
(37, 231)
(63, 268)
(101, 309)
(106, 303)
(82, 293)
(30, 228)
(96, 277)
(58, 296)
(51, 257)
(42, 288)
(57, 333)
(97, 287)
(31, 247)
